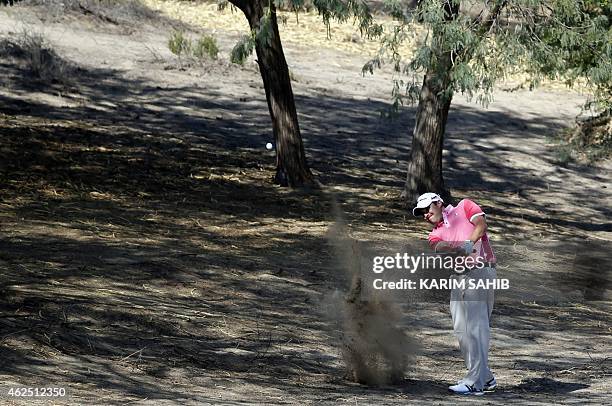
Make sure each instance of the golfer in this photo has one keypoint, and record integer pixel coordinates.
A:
(462, 230)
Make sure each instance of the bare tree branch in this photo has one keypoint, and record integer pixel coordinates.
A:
(487, 24)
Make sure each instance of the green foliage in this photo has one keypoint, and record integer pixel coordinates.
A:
(343, 10)
(578, 45)
(262, 34)
(184, 47)
(206, 45)
(242, 49)
(396, 9)
(179, 44)
(547, 38)
(338, 10)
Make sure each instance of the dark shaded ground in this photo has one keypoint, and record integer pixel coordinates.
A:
(146, 256)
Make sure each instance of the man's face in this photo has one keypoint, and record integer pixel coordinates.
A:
(434, 214)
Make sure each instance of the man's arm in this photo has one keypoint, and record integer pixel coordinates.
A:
(480, 228)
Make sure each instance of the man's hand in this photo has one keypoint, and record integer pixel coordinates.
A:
(465, 249)
(444, 246)
(449, 249)
(468, 247)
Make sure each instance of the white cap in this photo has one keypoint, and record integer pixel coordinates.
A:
(425, 200)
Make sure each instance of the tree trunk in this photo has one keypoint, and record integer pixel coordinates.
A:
(425, 164)
(291, 167)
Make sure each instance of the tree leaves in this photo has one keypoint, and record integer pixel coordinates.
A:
(241, 51)
(339, 10)
(545, 38)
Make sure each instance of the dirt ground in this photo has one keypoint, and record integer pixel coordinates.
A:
(147, 258)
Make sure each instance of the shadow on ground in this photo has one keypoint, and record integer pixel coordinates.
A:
(143, 240)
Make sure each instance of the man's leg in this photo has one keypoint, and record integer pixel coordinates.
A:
(459, 317)
(471, 311)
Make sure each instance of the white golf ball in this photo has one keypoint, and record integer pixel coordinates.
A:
(269, 145)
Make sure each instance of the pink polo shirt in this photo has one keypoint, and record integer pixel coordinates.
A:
(457, 227)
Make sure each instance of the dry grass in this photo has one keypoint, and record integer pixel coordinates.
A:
(36, 56)
(117, 12)
(146, 254)
(588, 142)
(307, 29)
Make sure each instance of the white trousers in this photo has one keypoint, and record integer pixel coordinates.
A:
(471, 312)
